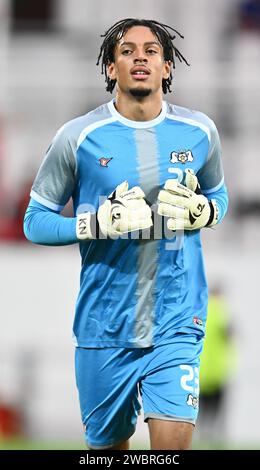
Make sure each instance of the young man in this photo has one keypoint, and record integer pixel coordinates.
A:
(132, 166)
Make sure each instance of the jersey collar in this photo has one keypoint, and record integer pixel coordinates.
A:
(137, 124)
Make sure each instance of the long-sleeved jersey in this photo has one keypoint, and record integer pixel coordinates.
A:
(134, 292)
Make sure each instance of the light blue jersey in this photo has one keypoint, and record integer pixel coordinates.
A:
(134, 292)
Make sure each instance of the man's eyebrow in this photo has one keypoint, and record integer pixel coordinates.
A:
(148, 43)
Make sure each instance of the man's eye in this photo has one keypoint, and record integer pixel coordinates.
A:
(151, 51)
(126, 51)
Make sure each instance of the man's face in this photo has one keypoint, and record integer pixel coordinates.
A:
(139, 65)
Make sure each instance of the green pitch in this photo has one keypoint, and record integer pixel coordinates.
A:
(27, 444)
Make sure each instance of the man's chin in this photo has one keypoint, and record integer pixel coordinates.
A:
(140, 92)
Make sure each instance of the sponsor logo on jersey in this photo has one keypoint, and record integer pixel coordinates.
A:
(192, 401)
(104, 161)
(181, 157)
(197, 321)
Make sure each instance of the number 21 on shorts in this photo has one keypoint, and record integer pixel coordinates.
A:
(190, 378)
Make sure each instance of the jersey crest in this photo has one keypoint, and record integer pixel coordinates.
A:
(181, 157)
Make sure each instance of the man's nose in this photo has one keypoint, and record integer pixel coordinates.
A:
(139, 55)
(140, 58)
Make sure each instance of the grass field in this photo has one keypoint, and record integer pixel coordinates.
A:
(26, 444)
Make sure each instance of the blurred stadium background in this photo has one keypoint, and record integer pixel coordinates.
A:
(48, 51)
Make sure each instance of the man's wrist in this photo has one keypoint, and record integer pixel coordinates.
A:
(87, 226)
(213, 218)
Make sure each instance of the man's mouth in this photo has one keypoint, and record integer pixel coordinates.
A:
(140, 73)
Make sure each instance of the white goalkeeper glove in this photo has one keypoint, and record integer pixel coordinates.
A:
(186, 206)
(125, 210)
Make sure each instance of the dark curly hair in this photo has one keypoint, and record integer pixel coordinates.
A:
(165, 34)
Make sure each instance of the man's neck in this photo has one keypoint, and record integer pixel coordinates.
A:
(138, 110)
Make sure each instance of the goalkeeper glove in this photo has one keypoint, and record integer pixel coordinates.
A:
(186, 206)
(125, 210)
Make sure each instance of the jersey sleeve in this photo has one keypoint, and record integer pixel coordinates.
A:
(44, 226)
(56, 178)
(211, 175)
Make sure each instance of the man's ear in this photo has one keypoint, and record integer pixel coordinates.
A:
(167, 69)
(111, 71)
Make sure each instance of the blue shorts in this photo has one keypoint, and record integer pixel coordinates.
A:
(110, 380)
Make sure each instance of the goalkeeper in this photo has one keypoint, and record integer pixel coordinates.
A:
(130, 165)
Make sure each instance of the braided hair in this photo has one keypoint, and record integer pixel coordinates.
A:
(164, 33)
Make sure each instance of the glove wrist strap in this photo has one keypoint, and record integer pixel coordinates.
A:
(213, 218)
(87, 226)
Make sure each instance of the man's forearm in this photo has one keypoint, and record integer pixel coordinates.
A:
(46, 227)
(221, 198)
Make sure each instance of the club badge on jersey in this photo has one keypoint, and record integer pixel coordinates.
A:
(181, 157)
